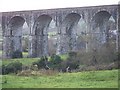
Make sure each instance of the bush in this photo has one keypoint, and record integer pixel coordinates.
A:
(72, 54)
(55, 61)
(17, 54)
(85, 58)
(41, 63)
(12, 68)
(72, 62)
(3, 68)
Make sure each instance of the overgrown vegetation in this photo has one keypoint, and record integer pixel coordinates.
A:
(17, 54)
(41, 64)
(74, 62)
(46, 72)
(12, 68)
(55, 62)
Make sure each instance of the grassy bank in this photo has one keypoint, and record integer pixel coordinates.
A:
(89, 79)
(24, 61)
(27, 61)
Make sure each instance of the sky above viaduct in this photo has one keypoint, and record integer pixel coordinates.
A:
(20, 5)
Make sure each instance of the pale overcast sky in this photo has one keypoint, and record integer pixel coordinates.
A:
(18, 5)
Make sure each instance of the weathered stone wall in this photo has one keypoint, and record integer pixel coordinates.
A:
(66, 21)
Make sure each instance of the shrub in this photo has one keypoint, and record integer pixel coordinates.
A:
(55, 61)
(3, 68)
(41, 63)
(85, 58)
(72, 54)
(12, 68)
(17, 54)
(72, 62)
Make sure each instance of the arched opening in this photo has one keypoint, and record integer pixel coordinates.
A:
(25, 40)
(15, 27)
(40, 45)
(68, 32)
(52, 38)
(104, 34)
(103, 28)
(69, 23)
(82, 36)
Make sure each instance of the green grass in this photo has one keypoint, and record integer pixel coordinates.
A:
(24, 61)
(90, 79)
(27, 61)
(25, 54)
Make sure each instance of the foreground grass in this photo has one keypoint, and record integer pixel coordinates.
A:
(90, 79)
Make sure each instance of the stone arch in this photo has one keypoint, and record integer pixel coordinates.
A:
(14, 45)
(40, 36)
(41, 22)
(68, 33)
(100, 17)
(15, 24)
(69, 22)
(112, 12)
(101, 25)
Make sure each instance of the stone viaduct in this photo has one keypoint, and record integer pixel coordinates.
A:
(66, 20)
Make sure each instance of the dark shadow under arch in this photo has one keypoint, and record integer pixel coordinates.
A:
(100, 17)
(69, 22)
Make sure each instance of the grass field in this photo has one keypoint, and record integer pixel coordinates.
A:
(86, 79)
(27, 61)
(89, 79)
(24, 61)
